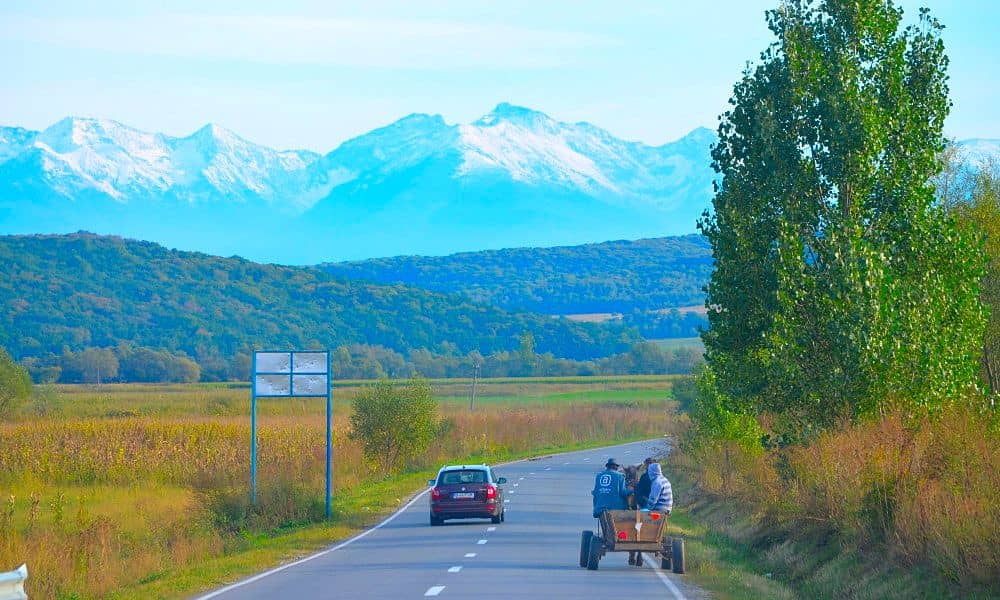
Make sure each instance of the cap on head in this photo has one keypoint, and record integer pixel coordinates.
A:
(648, 461)
(611, 463)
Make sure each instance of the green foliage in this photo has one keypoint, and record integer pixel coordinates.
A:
(838, 281)
(972, 194)
(715, 418)
(84, 290)
(149, 365)
(395, 423)
(15, 384)
(90, 365)
(621, 276)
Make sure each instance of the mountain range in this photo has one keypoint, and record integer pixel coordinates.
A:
(514, 177)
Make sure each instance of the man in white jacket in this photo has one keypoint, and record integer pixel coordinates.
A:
(661, 496)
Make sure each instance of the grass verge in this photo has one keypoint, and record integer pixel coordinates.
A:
(736, 553)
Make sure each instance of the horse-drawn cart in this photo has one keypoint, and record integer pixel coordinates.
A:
(632, 531)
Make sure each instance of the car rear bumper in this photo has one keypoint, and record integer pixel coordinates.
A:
(466, 511)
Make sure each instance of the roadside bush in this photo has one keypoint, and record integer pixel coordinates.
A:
(394, 423)
(15, 384)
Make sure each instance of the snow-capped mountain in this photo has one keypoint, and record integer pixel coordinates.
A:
(418, 185)
(87, 157)
(514, 177)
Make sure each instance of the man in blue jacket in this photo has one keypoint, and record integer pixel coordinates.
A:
(610, 492)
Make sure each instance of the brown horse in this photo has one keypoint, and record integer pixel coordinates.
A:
(631, 473)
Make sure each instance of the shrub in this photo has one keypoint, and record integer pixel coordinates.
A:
(15, 383)
(395, 423)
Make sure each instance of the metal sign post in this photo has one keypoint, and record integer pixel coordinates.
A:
(291, 374)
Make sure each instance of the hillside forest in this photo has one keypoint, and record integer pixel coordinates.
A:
(89, 308)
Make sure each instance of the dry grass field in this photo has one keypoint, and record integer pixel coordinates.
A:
(138, 491)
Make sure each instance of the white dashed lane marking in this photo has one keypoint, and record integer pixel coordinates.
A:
(470, 555)
(434, 591)
(491, 529)
(481, 542)
(520, 479)
(548, 468)
(455, 569)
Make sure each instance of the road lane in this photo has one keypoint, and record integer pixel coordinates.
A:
(534, 554)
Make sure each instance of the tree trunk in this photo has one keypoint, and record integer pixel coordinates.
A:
(991, 374)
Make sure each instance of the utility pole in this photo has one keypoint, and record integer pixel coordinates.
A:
(475, 380)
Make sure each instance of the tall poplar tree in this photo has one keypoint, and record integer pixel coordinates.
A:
(840, 286)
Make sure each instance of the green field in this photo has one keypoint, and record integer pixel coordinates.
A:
(675, 343)
(233, 399)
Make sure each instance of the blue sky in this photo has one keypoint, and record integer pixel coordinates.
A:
(311, 74)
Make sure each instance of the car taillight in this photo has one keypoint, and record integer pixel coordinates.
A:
(491, 492)
(435, 493)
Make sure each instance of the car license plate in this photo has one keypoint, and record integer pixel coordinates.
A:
(463, 495)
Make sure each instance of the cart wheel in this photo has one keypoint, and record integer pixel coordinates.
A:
(666, 555)
(585, 546)
(503, 515)
(594, 555)
(496, 519)
(678, 566)
(436, 521)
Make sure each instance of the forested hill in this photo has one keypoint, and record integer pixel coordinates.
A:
(84, 290)
(620, 276)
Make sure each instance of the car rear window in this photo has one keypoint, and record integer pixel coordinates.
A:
(469, 476)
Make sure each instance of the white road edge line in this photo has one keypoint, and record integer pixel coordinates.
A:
(346, 542)
(455, 569)
(364, 533)
(648, 561)
(434, 591)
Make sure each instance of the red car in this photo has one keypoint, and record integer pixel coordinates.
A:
(466, 492)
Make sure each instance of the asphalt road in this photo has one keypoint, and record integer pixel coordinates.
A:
(534, 554)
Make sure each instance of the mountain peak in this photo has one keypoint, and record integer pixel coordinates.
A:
(506, 111)
(72, 133)
(216, 134)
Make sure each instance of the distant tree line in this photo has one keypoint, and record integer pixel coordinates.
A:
(134, 364)
(666, 324)
(621, 276)
(120, 363)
